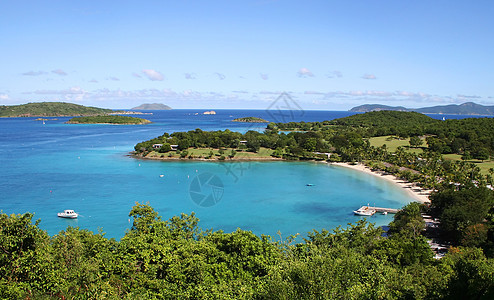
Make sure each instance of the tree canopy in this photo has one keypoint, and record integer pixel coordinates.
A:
(175, 258)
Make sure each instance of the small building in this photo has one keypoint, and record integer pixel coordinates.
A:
(174, 147)
(157, 146)
(243, 142)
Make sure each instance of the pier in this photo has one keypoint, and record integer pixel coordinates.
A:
(370, 210)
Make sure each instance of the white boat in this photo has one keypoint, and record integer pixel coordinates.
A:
(364, 211)
(68, 213)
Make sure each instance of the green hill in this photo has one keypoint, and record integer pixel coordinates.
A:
(386, 118)
(50, 109)
(468, 108)
(377, 107)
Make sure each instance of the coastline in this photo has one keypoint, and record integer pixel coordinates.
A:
(143, 123)
(417, 193)
(227, 159)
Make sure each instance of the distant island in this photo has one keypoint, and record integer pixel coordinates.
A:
(119, 120)
(50, 109)
(153, 106)
(377, 107)
(468, 108)
(250, 120)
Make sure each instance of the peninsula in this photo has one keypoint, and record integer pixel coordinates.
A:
(250, 120)
(50, 109)
(112, 119)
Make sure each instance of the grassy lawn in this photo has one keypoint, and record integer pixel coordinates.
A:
(394, 143)
(483, 165)
(204, 152)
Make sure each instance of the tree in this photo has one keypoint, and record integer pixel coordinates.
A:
(482, 154)
(458, 210)
(415, 141)
(473, 274)
(408, 221)
(23, 261)
(310, 144)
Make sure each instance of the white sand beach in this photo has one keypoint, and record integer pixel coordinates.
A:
(417, 193)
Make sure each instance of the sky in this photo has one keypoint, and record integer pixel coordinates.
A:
(325, 55)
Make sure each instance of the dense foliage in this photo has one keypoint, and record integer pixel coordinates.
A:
(48, 109)
(250, 120)
(175, 259)
(472, 137)
(109, 119)
(294, 145)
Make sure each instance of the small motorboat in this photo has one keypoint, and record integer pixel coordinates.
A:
(364, 211)
(69, 214)
(310, 184)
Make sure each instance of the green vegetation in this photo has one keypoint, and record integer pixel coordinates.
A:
(214, 154)
(393, 142)
(111, 119)
(485, 166)
(50, 109)
(250, 120)
(176, 259)
(295, 145)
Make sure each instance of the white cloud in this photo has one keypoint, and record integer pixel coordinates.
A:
(59, 72)
(220, 76)
(334, 74)
(34, 73)
(264, 76)
(113, 78)
(369, 76)
(153, 75)
(314, 93)
(4, 97)
(72, 91)
(136, 75)
(190, 75)
(93, 81)
(468, 96)
(304, 72)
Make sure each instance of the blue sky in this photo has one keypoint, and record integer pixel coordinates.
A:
(329, 55)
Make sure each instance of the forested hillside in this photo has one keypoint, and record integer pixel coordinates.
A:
(50, 109)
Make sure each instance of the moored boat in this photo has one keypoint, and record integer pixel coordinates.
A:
(68, 213)
(364, 211)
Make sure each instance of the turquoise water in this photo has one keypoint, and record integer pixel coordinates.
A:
(48, 168)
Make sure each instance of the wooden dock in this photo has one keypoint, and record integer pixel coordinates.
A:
(378, 209)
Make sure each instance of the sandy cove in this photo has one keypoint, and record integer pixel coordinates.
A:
(417, 193)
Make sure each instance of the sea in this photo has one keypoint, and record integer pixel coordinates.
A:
(49, 166)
